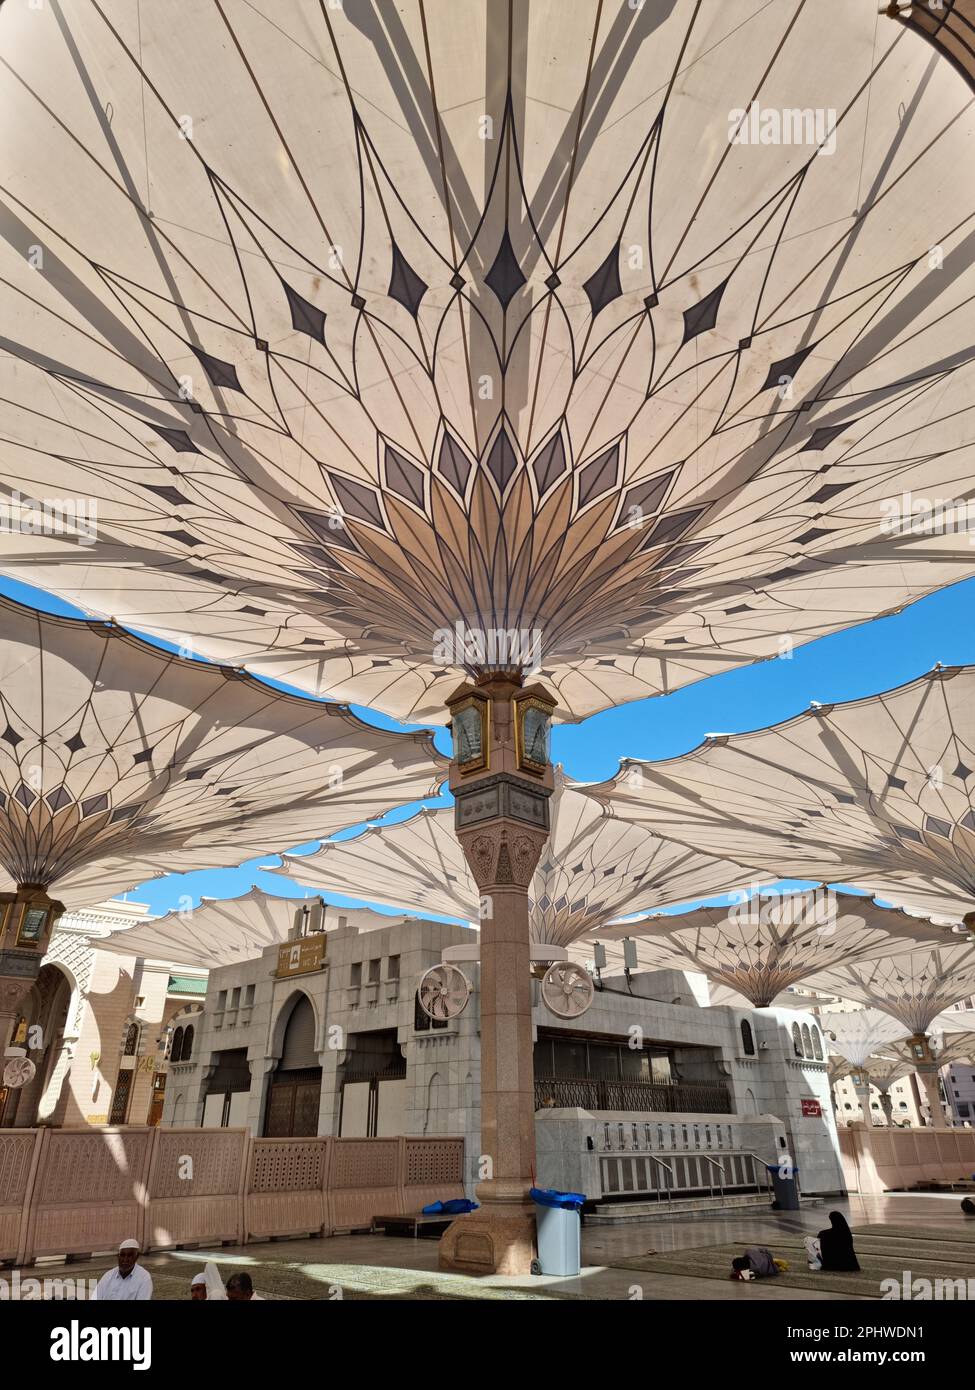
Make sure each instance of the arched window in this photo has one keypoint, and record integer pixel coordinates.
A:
(747, 1040)
(817, 1041)
(806, 1041)
(796, 1040)
(187, 1051)
(131, 1040)
(176, 1046)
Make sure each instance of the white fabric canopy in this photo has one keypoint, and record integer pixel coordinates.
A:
(227, 931)
(761, 947)
(358, 322)
(878, 792)
(120, 761)
(859, 1033)
(914, 987)
(591, 870)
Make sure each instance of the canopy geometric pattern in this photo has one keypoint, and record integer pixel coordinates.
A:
(120, 761)
(536, 339)
(878, 792)
(767, 944)
(914, 987)
(882, 1071)
(592, 869)
(227, 931)
(856, 1035)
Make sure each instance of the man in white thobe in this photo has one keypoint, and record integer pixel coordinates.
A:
(128, 1282)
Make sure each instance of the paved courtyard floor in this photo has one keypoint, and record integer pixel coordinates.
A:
(377, 1267)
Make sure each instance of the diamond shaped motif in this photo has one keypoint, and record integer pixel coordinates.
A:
(221, 374)
(305, 317)
(786, 367)
(505, 278)
(824, 435)
(405, 286)
(501, 461)
(700, 317)
(176, 439)
(603, 285)
(11, 736)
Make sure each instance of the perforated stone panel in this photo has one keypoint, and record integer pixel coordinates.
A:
(363, 1163)
(216, 1163)
(287, 1165)
(101, 1166)
(15, 1156)
(435, 1161)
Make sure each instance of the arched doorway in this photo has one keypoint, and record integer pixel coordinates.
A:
(295, 1092)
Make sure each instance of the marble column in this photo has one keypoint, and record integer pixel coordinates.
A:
(502, 824)
(861, 1084)
(927, 1070)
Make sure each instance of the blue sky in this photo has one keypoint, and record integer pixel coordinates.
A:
(846, 666)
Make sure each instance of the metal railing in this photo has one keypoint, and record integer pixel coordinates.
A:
(588, 1093)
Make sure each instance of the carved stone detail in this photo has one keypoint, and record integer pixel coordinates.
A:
(502, 855)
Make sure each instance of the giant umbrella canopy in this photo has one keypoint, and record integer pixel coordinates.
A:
(399, 344)
(857, 1036)
(121, 761)
(877, 792)
(361, 322)
(914, 987)
(593, 869)
(761, 947)
(229, 931)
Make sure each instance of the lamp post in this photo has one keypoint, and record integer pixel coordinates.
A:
(501, 777)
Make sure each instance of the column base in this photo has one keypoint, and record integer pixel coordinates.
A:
(490, 1242)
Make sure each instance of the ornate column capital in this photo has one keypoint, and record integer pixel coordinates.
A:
(502, 854)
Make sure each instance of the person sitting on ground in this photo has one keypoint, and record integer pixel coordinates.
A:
(968, 1206)
(756, 1263)
(833, 1249)
(207, 1285)
(241, 1290)
(129, 1282)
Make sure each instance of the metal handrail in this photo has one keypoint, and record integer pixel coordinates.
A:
(668, 1187)
(715, 1163)
(766, 1165)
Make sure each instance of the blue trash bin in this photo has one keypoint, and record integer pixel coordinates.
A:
(558, 1223)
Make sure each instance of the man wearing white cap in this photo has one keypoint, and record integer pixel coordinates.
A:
(128, 1282)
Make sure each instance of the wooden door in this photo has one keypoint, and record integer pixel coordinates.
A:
(158, 1096)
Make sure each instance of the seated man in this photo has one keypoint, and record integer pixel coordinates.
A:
(129, 1282)
(241, 1290)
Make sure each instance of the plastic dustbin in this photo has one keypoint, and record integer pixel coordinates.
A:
(785, 1186)
(558, 1223)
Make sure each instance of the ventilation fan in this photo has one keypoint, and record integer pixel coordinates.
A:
(19, 1071)
(567, 989)
(444, 992)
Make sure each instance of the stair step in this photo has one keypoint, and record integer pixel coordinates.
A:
(621, 1213)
